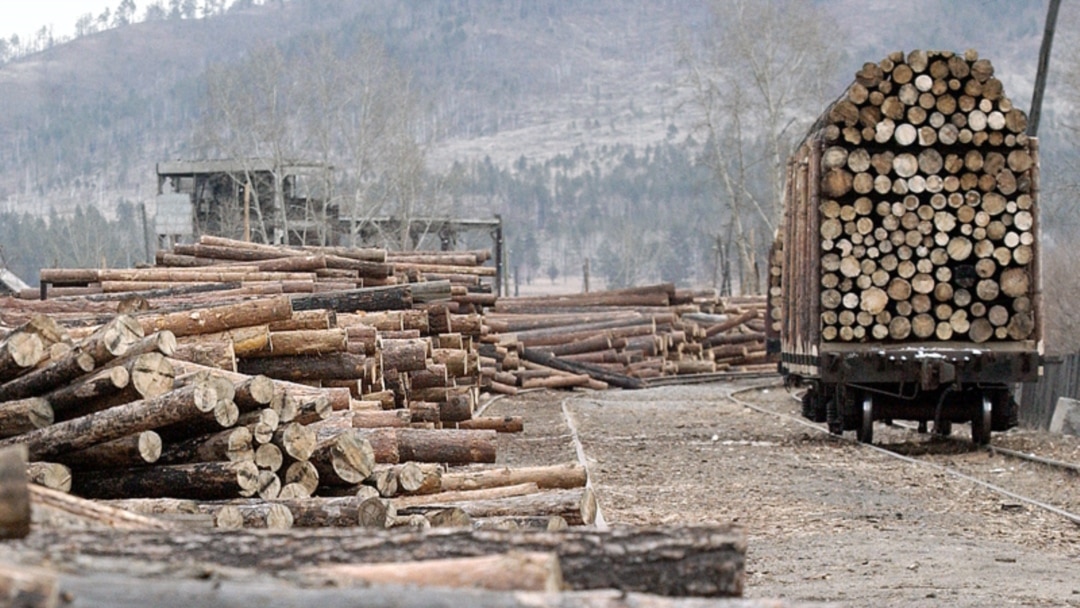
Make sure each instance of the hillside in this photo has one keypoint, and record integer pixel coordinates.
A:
(572, 118)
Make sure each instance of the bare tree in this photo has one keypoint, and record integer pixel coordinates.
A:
(353, 110)
(363, 116)
(757, 79)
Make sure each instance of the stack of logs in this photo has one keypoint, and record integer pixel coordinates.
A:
(621, 337)
(260, 385)
(270, 412)
(232, 268)
(927, 219)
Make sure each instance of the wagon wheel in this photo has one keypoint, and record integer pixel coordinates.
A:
(980, 422)
(865, 431)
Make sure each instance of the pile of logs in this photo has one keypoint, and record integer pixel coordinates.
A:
(236, 385)
(927, 222)
(231, 268)
(621, 338)
(269, 412)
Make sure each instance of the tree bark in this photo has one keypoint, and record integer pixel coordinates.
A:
(138, 449)
(532, 571)
(19, 352)
(220, 318)
(204, 481)
(568, 475)
(191, 402)
(24, 415)
(396, 297)
(14, 493)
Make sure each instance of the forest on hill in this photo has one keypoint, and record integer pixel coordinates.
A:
(646, 137)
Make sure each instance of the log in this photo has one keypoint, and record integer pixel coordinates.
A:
(457, 496)
(55, 374)
(577, 506)
(191, 402)
(381, 418)
(346, 459)
(220, 318)
(500, 424)
(302, 342)
(569, 475)
(91, 387)
(14, 493)
(337, 366)
(51, 475)
(296, 441)
(28, 587)
(112, 340)
(24, 415)
(547, 523)
(302, 474)
(230, 445)
(19, 352)
(447, 446)
(403, 355)
(394, 297)
(532, 571)
(134, 450)
(676, 561)
(204, 481)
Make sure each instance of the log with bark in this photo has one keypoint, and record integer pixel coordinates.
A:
(14, 493)
(675, 561)
(203, 480)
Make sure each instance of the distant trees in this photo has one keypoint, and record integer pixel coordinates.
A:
(757, 76)
(341, 102)
(86, 239)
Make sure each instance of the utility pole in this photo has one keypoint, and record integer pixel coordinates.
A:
(1044, 66)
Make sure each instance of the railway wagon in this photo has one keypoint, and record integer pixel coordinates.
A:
(905, 279)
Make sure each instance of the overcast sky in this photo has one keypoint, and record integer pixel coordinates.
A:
(25, 17)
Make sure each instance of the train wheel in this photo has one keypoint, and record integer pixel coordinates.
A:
(980, 422)
(865, 431)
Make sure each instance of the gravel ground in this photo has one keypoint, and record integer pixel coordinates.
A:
(826, 520)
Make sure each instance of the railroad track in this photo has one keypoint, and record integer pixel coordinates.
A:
(923, 459)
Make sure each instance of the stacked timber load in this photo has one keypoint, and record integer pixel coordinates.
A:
(925, 220)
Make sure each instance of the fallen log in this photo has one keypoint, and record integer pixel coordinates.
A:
(677, 561)
(28, 587)
(190, 402)
(499, 424)
(14, 493)
(618, 380)
(24, 415)
(394, 297)
(19, 352)
(138, 449)
(203, 480)
(576, 506)
(531, 571)
(568, 475)
(50, 475)
(220, 318)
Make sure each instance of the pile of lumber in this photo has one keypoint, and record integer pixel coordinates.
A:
(621, 338)
(927, 223)
(268, 412)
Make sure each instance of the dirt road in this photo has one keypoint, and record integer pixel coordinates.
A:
(826, 520)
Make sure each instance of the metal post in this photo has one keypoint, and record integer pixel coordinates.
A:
(500, 260)
(1044, 66)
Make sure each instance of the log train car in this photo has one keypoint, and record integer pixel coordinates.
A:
(905, 280)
